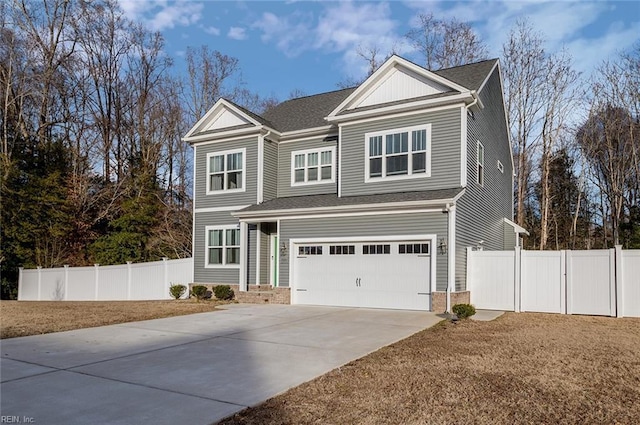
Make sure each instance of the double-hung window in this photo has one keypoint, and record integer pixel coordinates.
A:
(313, 166)
(480, 161)
(398, 153)
(226, 171)
(222, 246)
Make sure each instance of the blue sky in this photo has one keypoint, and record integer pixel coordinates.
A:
(311, 46)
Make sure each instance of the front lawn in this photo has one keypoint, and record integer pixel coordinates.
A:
(521, 368)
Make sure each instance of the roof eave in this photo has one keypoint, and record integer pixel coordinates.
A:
(387, 206)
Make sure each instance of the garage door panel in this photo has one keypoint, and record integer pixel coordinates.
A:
(362, 279)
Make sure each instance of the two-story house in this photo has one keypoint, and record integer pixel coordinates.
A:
(366, 197)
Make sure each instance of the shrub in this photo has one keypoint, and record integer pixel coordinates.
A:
(177, 291)
(223, 292)
(463, 310)
(199, 291)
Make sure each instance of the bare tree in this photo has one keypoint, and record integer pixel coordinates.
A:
(561, 93)
(524, 63)
(446, 43)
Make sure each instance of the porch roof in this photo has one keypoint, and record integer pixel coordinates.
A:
(331, 202)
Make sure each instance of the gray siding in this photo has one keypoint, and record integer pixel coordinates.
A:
(248, 197)
(270, 180)
(445, 154)
(378, 225)
(200, 273)
(481, 209)
(284, 169)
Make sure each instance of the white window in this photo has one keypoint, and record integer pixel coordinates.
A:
(313, 166)
(222, 244)
(480, 161)
(399, 153)
(226, 171)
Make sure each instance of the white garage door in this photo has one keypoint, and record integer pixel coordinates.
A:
(363, 274)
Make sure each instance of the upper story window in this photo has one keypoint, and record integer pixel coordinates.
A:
(226, 171)
(480, 161)
(399, 153)
(313, 166)
(222, 246)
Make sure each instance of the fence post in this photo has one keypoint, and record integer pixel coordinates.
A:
(96, 280)
(20, 282)
(563, 282)
(39, 283)
(617, 285)
(517, 279)
(165, 265)
(66, 282)
(567, 282)
(128, 280)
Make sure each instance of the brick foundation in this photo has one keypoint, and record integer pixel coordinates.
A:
(257, 294)
(439, 300)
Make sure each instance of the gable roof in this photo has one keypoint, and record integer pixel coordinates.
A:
(471, 75)
(305, 112)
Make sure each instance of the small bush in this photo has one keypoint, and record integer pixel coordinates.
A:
(199, 291)
(463, 310)
(223, 292)
(177, 291)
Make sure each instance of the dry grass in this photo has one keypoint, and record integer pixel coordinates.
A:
(22, 318)
(521, 368)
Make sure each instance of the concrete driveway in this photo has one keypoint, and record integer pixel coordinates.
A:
(194, 369)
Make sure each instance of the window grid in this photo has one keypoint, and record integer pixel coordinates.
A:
(310, 250)
(342, 250)
(403, 153)
(223, 246)
(376, 249)
(315, 166)
(225, 171)
(413, 248)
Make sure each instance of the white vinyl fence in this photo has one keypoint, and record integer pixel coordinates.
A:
(595, 282)
(142, 281)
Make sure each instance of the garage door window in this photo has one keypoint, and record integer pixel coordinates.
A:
(310, 250)
(376, 249)
(342, 250)
(413, 248)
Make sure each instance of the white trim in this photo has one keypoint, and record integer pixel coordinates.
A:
(484, 82)
(391, 238)
(277, 257)
(272, 262)
(463, 147)
(211, 137)
(258, 251)
(381, 74)
(244, 137)
(319, 151)
(243, 151)
(360, 207)
(224, 227)
(517, 229)
(404, 114)
(243, 275)
(480, 181)
(403, 107)
(451, 252)
(339, 161)
(409, 153)
(193, 212)
(260, 188)
(217, 209)
(351, 214)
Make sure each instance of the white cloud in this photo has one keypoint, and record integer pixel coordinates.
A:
(159, 15)
(212, 30)
(237, 33)
(291, 34)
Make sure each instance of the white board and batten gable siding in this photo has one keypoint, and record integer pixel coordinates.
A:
(400, 84)
(223, 115)
(225, 119)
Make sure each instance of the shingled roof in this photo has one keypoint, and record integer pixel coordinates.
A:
(332, 200)
(305, 112)
(310, 111)
(470, 76)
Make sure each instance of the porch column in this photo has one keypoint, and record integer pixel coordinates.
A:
(244, 240)
(451, 268)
